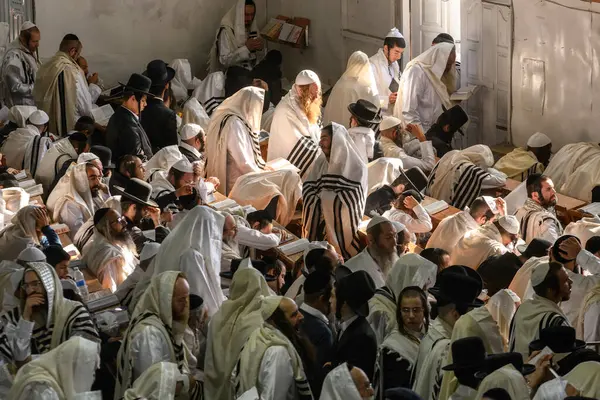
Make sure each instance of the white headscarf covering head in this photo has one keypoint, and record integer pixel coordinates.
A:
(268, 305)
(339, 385)
(194, 113)
(411, 270)
(149, 250)
(235, 20)
(502, 306)
(163, 160)
(359, 69)
(247, 104)
(157, 382)
(74, 186)
(586, 378)
(20, 114)
(480, 155)
(158, 297)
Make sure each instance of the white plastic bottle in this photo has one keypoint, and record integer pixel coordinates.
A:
(81, 284)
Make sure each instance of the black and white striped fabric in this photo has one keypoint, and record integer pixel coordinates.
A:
(253, 135)
(548, 320)
(212, 103)
(467, 187)
(303, 154)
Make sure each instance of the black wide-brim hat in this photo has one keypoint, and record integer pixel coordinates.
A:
(138, 191)
(467, 353)
(259, 265)
(560, 339)
(494, 362)
(356, 290)
(159, 73)
(105, 156)
(138, 83)
(365, 112)
(458, 285)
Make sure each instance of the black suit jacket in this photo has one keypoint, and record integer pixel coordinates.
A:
(321, 337)
(358, 346)
(125, 135)
(160, 123)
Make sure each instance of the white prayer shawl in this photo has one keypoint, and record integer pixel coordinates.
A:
(584, 229)
(335, 193)
(568, 159)
(405, 347)
(384, 74)
(211, 92)
(383, 171)
(35, 150)
(502, 306)
(85, 234)
(417, 103)
(246, 107)
(477, 245)
(586, 378)
(293, 137)
(11, 275)
(530, 319)
(14, 145)
(52, 162)
(193, 113)
(157, 383)
(507, 378)
(160, 184)
(20, 235)
(364, 139)
(184, 80)
(538, 222)
(110, 263)
(583, 180)
(458, 176)
(357, 82)
(230, 328)
(257, 189)
(433, 352)
(20, 114)
(338, 385)
(194, 247)
(65, 369)
(450, 230)
(163, 160)
(590, 303)
(364, 262)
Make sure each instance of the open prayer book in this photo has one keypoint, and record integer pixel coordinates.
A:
(436, 207)
(35, 190)
(295, 247)
(21, 175)
(102, 114)
(27, 183)
(224, 204)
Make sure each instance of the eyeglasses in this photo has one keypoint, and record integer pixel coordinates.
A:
(93, 178)
(121, 220)
(415, 310)
(31, 285)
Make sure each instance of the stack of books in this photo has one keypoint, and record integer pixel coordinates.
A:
(283, 31)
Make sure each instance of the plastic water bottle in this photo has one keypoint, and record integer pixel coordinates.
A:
(81, 284)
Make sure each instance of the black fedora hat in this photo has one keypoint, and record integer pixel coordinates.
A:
(105, 156)
(459, 285)
(159, 72)
(356, 290)
(138, 83)
(365, 112)
(467, 353)
(138, 191)
(259, 265)
(560, 339)
(494, 362)
(577, 357)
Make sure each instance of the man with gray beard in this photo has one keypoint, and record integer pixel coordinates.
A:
(378, 258)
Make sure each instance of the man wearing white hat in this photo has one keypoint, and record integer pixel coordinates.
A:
(392, 134)
(522, 162)
(19, 67)
(37, 147)
(537, 216)
(168, 187)
(15, 145)
(487, 240)
(192, 144)
(295, 132)
(386, 69)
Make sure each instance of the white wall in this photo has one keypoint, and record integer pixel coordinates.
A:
(555, 79)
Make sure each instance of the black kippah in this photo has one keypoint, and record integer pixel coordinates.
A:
(100, 214)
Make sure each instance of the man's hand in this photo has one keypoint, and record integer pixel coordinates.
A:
(254, 44)
(185, 190)
(393, 97)
(416, 131)
(154, 214)
(41, 218)
(12, 171)
(198, 170)
(541, 369)
(214, 180)
(166, 216)
(33, 300)
(501, 204)
(571, 247)
(410, 202)
(93, 78)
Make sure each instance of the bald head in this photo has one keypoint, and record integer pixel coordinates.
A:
(181, 300)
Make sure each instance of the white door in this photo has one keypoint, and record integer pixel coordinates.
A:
(429, 18)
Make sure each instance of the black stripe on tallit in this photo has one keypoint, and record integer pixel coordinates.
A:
(63, 104)
(468, 187)
(303, 154)
(253, 137)
(211, 104)
(85, 237)
(35, 153)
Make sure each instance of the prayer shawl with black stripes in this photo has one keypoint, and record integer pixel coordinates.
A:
(458, 176)
(293, 137)
(210, 94)
(65, 319)
(533, 218)
(530, 319)
(55, 92)
(334, 196)
(246, 372)
(34, 152)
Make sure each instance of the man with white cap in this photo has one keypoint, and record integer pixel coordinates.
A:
(522, 162)
(487, 240)
(168, 187)
(193, 140)
(393, 137)
(19, 67)
(37, 146)
(537, 216)
(295, 132)
(15, 145)
(380, 255)
(551, 285)
(452, 228)
(386, 69)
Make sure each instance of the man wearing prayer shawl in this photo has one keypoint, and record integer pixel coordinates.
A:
(61, 89)
(488, 240)
(335, 192)
(409, 270)
(452, 228)
(589, 315)
(583, 180)
(551, 285)
(508, 378)
(39, 144)
(520, 163)
(155, 333)
(11, 275)
(460, 175)
(77, 196)
(17, 118)
(15, 145)
(67, 372)
(584, 229)
(44, 320)
(537, 216)
(568, 159)
(208, 96)
(442, 132)
(391, 130)
(193, 143)
(386, 70)
(19, 67)
(364, 115)
(295, 130)
(426, 85)
(357, 82)
(456, 292)
(275, 358)
(157, 382)
(347, 382)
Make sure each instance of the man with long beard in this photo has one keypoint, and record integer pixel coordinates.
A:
(111, 254)
(295, 131)
(380, 255)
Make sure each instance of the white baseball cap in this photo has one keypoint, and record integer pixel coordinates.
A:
(184, 165)
(190, 131)
(307, 77)
(538, 139)
(38, 117)
(389, 122)
(510, 224)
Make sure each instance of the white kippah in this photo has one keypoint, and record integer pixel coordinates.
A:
(378, 219)
(184, 165)
(38, 117)
(150, 250)
(307, 77)
(538, 139)
(539, 274)
(190, 131)
(31, 254)
(394, 33)
(491, 203)
(86, 157)
(510, 224)
(389, 122)
(27, 25)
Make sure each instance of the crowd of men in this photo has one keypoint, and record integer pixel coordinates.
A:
(497, 301)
